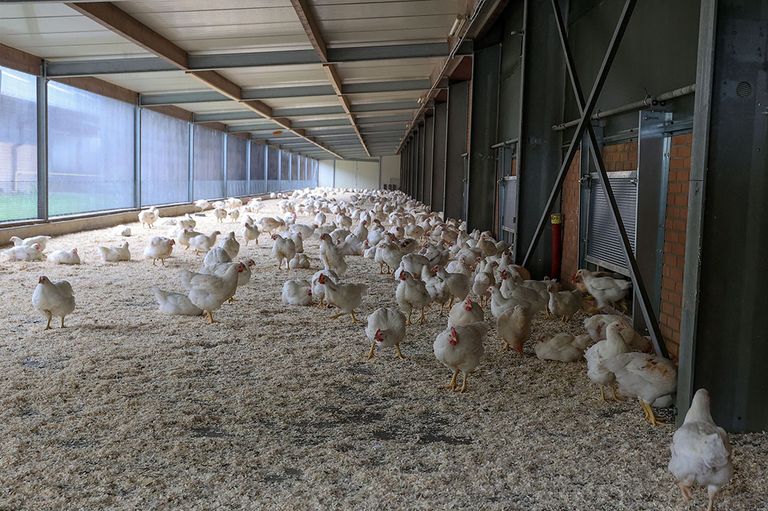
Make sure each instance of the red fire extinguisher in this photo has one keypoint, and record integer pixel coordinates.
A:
(557, 245)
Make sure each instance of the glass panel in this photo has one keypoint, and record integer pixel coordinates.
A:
(237, 184)
(258, 155)
(294, 168)
(208, 168)
(90, 151)
(18, 145)
(164, 159)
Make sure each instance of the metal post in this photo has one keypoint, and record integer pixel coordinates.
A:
(42, 144)
(137, 156)
(613, 47)
(191, 162)
(519, 149)
(224, 164)
(248, 166)
(279, 169)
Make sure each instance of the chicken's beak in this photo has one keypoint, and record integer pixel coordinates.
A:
(40, 280)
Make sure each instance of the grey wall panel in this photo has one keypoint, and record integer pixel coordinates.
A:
(429, 141)
(438, 179)
(657, 54)
(482, 165)
(539, 155)
(458, 113)
(511, 68)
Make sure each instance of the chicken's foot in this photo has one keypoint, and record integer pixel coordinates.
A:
(372, 350)
(686, 491)
(452, 384)
(463, 388)
(48, 326)
(423, 317)
(398, 353)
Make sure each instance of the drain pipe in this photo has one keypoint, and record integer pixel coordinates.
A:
(660, 100)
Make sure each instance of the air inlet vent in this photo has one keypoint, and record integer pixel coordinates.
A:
(744, 89)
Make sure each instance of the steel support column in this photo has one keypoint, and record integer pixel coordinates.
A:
(429, 157)
(42, 146)
(724, 337)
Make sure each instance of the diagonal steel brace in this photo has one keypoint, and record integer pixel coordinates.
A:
(637, 281)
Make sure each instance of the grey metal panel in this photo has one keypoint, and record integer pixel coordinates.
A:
(510, 79)
(653, 176)
(458, 112)
(386, 86)
(731, 338)
(482, 164)
(381, 107)
(539, 152)
(644, 65)
(603, 242)
(438, 178)
(429, 148)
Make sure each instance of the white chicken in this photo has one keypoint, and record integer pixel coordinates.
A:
(605, 290)
(562, 347)
(563, 304)
(271, 225)
(411, 293)
(53, 299)
(159, 247)
(175, 304)
(701, 452)
(650, 378)
(299, 261)
(64, 257)
(283, 249)
(298, 241)
(32, 252)
(297, 292)
(465, 313)
(330, 256)
(230, 244)
(386, 327)
(187, 222)
(600, 353)
(460, 348)
(148, 217)
(436, 287)
(202, 204)
(596, 326)
(484, 280)
(251, 233)
(28, 242)
(209, 292)
(318, 290)
(220, 214)
(514, 328)
(214, 256)
(202, 243)
(346, 297)
(116, 253)
(123, 230)
(457, 284)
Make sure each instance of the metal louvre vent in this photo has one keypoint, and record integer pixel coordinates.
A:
(603, 243)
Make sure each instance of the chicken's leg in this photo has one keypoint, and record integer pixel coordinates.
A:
(452, 384)
(408, 319)
(337, 316)
(712, 497)
(602, 395)
(463, 388)
(162, 261)
(686, 491)
(504, 345)
(423, 317)
(650, 416)
(62, 322)
(209, 316)
(398, 353)
(354, 318)
(48, 326)
(372, 350)
(154, 262)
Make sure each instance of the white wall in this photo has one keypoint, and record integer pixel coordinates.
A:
(390, 170)
(325, 173)
(350, 174)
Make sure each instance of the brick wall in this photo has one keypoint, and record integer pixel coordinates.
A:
(570, 210)
(619, 157)
(674, 242)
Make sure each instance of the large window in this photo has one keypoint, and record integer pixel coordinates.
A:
(237, 180)
(208, 168)
(18, 145)
(90, 151)
(258, 166)
(273, 168)
(164, 159)
(294, 168)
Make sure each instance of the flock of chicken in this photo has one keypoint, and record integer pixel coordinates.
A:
(435, 263)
